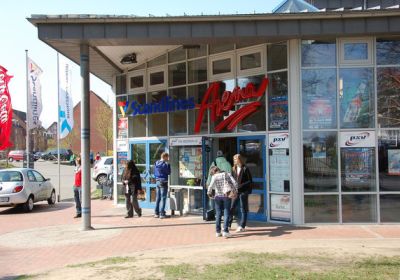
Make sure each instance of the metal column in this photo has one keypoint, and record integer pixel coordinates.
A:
(85, 137)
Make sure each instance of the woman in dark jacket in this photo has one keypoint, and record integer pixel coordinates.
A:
(242, 175)
(132, 185)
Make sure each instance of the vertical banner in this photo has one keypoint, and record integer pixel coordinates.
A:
(5, 110)
(34, 94)
(66, 114)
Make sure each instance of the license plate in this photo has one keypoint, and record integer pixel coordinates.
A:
(4, 199)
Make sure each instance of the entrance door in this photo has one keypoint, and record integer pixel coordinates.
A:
(252, 149)
(145, 154)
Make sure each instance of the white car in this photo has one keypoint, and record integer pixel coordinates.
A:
(24, 186)
(102, 169)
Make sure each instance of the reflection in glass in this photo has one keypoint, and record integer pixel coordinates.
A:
(278, 113)
(197, 71)
(388, 96)
(197, 52)
(318, 53)
(137, 126)
(359, 208)
(221, 66)
(177, 123)
(136, 82)
(355, 51)
(226, 85)
(138, 155)
(389, 160)
(319, 98)
(252, 152)
(321, 209)
(358, 169)
(390, 208)
(277, 56)
(197, 93)
(177, 55)
(256, 203)
(320, 161)
(177, 74)
(157, 61)
(157, 124)
(356, 92)
(250, 61)
(120, 84)
(387, 51)
(157, 78)
(156, 149)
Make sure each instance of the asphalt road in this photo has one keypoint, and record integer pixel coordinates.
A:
(49, 169)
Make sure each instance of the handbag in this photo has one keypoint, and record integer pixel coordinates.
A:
(141, 195)
(230, 189)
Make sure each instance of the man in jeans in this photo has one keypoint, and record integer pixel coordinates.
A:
(161, 171)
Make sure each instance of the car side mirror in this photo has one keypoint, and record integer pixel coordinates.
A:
(47, 179)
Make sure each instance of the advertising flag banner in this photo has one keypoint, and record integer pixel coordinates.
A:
(66, 114)
(34, 94)
(5, 110)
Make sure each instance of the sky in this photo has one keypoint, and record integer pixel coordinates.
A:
(18, 35)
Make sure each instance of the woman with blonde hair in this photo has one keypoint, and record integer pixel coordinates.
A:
(242, 175)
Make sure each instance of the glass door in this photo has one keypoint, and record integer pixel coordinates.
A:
(252, 149)
(145, 154)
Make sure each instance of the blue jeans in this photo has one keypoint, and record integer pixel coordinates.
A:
(222, 204)
(242, 202)
(78, 197)
(161, 197)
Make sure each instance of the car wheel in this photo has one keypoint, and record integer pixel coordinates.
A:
(10, 159)
(28, 205)
(102, 179)
(52, 199)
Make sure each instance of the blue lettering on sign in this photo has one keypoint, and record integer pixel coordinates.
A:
(166, 104)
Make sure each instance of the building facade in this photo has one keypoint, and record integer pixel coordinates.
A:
(311, 101)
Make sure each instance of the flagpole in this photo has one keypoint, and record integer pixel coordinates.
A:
(58, 126)
(27, 110)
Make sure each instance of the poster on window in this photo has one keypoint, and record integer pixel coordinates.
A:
(318, 149)
(190, 162)
(280, 207)
(123, 128)
(278, 112)
(122, 158)
(394, 162)
(278, 169)
(320, 113)
(358, 165)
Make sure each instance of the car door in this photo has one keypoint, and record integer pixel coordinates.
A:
(33, 185)
(43, 186)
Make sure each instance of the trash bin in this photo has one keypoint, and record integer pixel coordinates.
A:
(176, 201)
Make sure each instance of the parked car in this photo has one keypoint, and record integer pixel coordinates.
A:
(37, 155)
(52, 154)
(15, 155)
(24, 186)
(102, 169)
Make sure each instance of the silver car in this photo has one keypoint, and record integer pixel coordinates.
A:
(24, 186)
(102, 169)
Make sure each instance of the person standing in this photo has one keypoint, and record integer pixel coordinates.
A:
(97, 158)
(78, 188)
(132, 185)
(242, 175)
(162, 170)
(220, 162)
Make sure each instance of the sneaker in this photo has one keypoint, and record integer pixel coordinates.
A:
(156, 216)
(240, 229)
(218, 234)
(226, 234)
(162, 217)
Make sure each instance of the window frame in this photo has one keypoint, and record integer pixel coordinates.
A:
(224, 76)
(133, 74)
(356, 62)
(163, 86)
(251, 50)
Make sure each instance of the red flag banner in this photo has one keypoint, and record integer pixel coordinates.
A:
(5, 110)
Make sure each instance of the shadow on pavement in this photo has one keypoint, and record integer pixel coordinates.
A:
(38, 208)
(269, 230)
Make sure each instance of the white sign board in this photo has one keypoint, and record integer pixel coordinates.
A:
(278, 141)
(192, 141)
(357, 139)
(122, 145)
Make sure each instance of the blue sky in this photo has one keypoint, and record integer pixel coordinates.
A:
(17, 35)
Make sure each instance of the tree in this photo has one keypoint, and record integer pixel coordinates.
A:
(68, 141)
(104, 124)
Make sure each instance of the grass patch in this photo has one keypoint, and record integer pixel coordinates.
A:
(277, 266)
(107, 262)
(5, 164)
(96, 194)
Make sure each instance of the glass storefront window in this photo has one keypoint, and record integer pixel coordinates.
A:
(178, 119)
(358, 169)
(319, 98)
(138, 155)
(137, 123)
(136, 82)
(388, 80)
(186, 165)
(178, 54)
(356, 95)
(120, 84)
(320, 162)
(155, 151)
(157, 78)
(318, 53)
(197, 93)
(359, 208)
(157, 61)
(197, 71)
(321, 209)
(157, 122)
(277, 56)
(387, 51)
(389, 160)
(177, 74)
(221, 66)
(199, 51)
(279, 170)
(280, 207)
(256, 203)
(252, 152)
(355, 51)
(278, 110)
(250, 61)
(390, 208)
(228, 85)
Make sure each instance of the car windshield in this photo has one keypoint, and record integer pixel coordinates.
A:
(10, 176)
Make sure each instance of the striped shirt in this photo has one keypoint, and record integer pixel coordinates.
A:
(218, 184)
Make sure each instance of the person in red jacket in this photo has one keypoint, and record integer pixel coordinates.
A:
(78, 188)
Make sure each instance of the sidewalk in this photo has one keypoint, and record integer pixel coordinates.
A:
(50, 238)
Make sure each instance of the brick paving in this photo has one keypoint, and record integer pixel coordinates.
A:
(22, 253)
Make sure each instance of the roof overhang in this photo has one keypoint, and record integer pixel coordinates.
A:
(111, 37)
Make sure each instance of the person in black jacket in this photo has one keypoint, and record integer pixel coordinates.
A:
(242, 175)
(132, 185)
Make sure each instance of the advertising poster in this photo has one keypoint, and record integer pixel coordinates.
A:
(318, 149)
(394, 162)
(278, 116)
(279, 169)
(320, 114)
(190, 162)
(280, 207)
(122, 158)
(358, 165)
(123, 128)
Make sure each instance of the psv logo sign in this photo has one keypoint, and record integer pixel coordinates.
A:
(278, 140)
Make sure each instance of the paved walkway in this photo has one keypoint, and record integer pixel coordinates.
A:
(50, 238)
